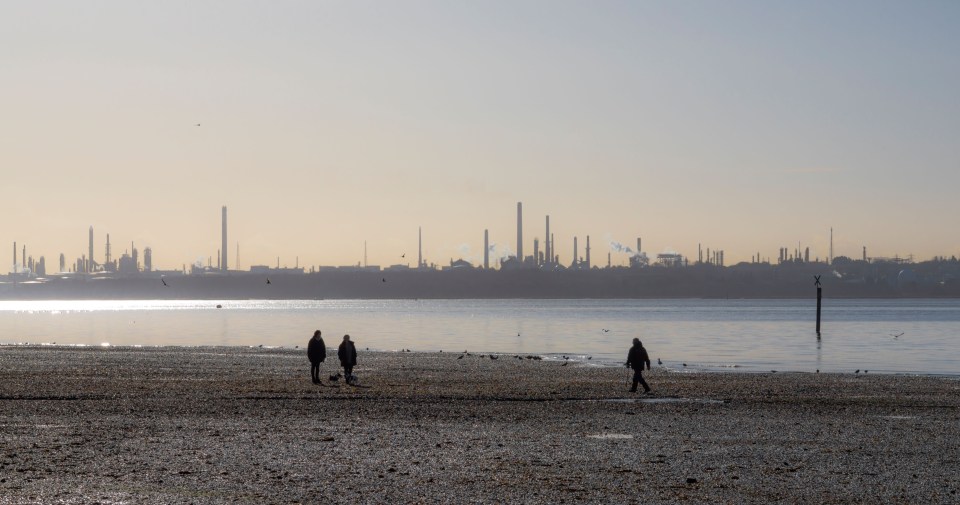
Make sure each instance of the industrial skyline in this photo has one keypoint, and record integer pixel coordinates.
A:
(742, 126)
(504, 258)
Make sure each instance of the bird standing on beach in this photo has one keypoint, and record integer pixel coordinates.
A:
(268, 280)
(659, 362)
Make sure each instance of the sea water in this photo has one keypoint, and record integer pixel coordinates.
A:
(879, 336)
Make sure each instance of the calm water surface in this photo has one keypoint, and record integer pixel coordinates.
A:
(751, 335)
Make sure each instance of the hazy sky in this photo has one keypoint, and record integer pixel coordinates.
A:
(744, 126)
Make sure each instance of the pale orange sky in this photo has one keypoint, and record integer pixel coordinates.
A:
(743, 126)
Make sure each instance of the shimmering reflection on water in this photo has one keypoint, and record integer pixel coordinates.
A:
(751, 335)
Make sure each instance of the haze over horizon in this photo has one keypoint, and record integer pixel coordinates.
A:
(743, 126)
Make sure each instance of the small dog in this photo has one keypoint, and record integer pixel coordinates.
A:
(335, 378)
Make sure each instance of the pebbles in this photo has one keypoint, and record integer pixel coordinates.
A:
(225, 425)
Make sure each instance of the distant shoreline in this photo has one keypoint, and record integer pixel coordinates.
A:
(649, 283)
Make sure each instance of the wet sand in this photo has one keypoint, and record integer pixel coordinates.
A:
(239, 425)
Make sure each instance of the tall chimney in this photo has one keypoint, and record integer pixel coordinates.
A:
(223, 240)
(486, 249)
(15, 256)
(546, 246)
(106, 258)
(419, 247)
(588, 252)
(520, 232)
(90, 255)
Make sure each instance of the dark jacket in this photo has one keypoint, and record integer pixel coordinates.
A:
(317, 350)
(347, 354)
(637, 357)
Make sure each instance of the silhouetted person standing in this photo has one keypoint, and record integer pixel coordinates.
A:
(317, 353)
(636, 359)
(348, 356)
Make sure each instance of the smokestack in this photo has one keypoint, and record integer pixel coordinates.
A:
(588, 252)
(107, 252)
(520, 232)
(831, 246)
(223, 239)
(486, 249)
(546, 246)
(575, 253)
(536, 252)
(15, 256)
(419, 247)
(90, 255)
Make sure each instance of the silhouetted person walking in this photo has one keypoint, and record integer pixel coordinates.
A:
(348, 357)
(636, 359)
(317, 353)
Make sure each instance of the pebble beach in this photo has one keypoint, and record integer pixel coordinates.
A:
(246, 425)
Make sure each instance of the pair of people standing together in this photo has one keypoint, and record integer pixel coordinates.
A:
(317, 353)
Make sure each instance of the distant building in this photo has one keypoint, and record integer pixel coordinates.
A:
(459, 264)
(670, 260)
(263, 269)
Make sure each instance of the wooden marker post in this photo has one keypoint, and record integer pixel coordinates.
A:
(819, 297)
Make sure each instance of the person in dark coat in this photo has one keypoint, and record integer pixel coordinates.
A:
(348, 356)
(317, 353)
(636, 359)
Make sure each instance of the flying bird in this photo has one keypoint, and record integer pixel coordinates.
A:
(198, 124)
(897, 335)
(605, 330)
(404, 255)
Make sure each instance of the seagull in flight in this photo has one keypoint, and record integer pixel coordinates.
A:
(404, 255)
(897, 335)
(605, 330)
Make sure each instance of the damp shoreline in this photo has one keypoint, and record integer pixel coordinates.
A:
(239, 425)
